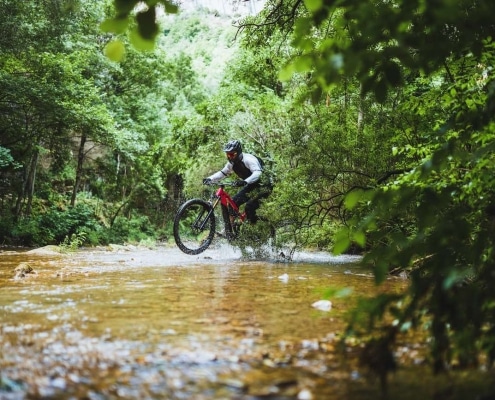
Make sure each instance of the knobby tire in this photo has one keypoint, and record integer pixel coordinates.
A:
(188, 234)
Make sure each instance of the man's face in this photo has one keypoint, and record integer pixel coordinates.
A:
(231, 155)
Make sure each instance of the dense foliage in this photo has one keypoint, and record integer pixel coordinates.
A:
(79, 132)
(375, 118)
(430, 68)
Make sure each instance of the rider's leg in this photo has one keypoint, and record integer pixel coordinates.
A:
(241, 196)
(252, 201)
(251, 207)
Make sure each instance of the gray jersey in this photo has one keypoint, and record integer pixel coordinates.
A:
(247, 165)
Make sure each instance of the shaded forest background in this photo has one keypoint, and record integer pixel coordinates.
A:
(106, 151)
(376, 119)
(91, 147)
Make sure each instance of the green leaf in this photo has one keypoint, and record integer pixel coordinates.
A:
(352, 198)
(380, 271)
(453, 278)
(125, 6)
(316, 95)
(115, 25)
(381, 91)
(313, 5)
(342, 242)
(333, 292)
(147, 26)
(170, 8)
(360, 238)
(393, 74)
(286, 73)
(303, 63)
(141, 43)
(115, 50)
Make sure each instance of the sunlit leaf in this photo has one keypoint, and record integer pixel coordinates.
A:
(115, 50)
(114, 25)
(352, 198)
(286, 73)
(360, 238)
(303, 63)
(313, 5)
(342, 242)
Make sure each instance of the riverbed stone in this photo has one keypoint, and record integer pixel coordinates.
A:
(22, 270)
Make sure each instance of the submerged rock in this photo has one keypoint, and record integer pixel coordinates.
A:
(22, 270)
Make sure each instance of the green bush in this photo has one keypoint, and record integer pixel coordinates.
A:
(132, 230)
(6, 226)
(57, 224)
(25, 232)
(52, 227)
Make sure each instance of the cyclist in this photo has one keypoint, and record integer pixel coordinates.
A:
(249, 169)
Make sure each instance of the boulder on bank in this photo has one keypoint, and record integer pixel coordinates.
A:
(49, 250)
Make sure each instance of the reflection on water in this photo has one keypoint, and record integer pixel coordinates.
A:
(160, 324)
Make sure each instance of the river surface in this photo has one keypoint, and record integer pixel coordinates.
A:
(140, 323)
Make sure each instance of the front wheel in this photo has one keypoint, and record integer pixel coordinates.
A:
(194, 226)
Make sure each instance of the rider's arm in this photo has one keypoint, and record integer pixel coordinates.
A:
(224, 172)
(254, 166)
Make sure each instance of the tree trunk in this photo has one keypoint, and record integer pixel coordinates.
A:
(112, 220)
(30, 181)
(79, 170)
(360, 120)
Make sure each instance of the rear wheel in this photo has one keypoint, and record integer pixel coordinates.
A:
(194, 226)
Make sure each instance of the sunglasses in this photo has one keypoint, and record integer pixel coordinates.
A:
(231, 154)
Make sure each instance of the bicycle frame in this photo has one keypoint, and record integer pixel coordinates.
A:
(222, 197)
(195, 222)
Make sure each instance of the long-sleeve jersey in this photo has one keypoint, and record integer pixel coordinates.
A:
(246, 167)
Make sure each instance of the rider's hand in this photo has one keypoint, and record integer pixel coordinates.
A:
(240, 183)
(207, 181)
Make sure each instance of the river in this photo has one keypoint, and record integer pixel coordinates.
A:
(154, 323)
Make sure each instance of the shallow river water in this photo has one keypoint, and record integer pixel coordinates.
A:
(138, 323)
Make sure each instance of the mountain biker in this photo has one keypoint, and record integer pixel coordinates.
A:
(249, 169)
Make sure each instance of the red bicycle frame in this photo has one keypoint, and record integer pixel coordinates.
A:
(224, 198)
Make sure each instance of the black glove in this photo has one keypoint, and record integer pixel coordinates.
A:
(240, 183)
(207, 181)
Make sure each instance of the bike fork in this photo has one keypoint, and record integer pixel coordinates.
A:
(202, 220)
